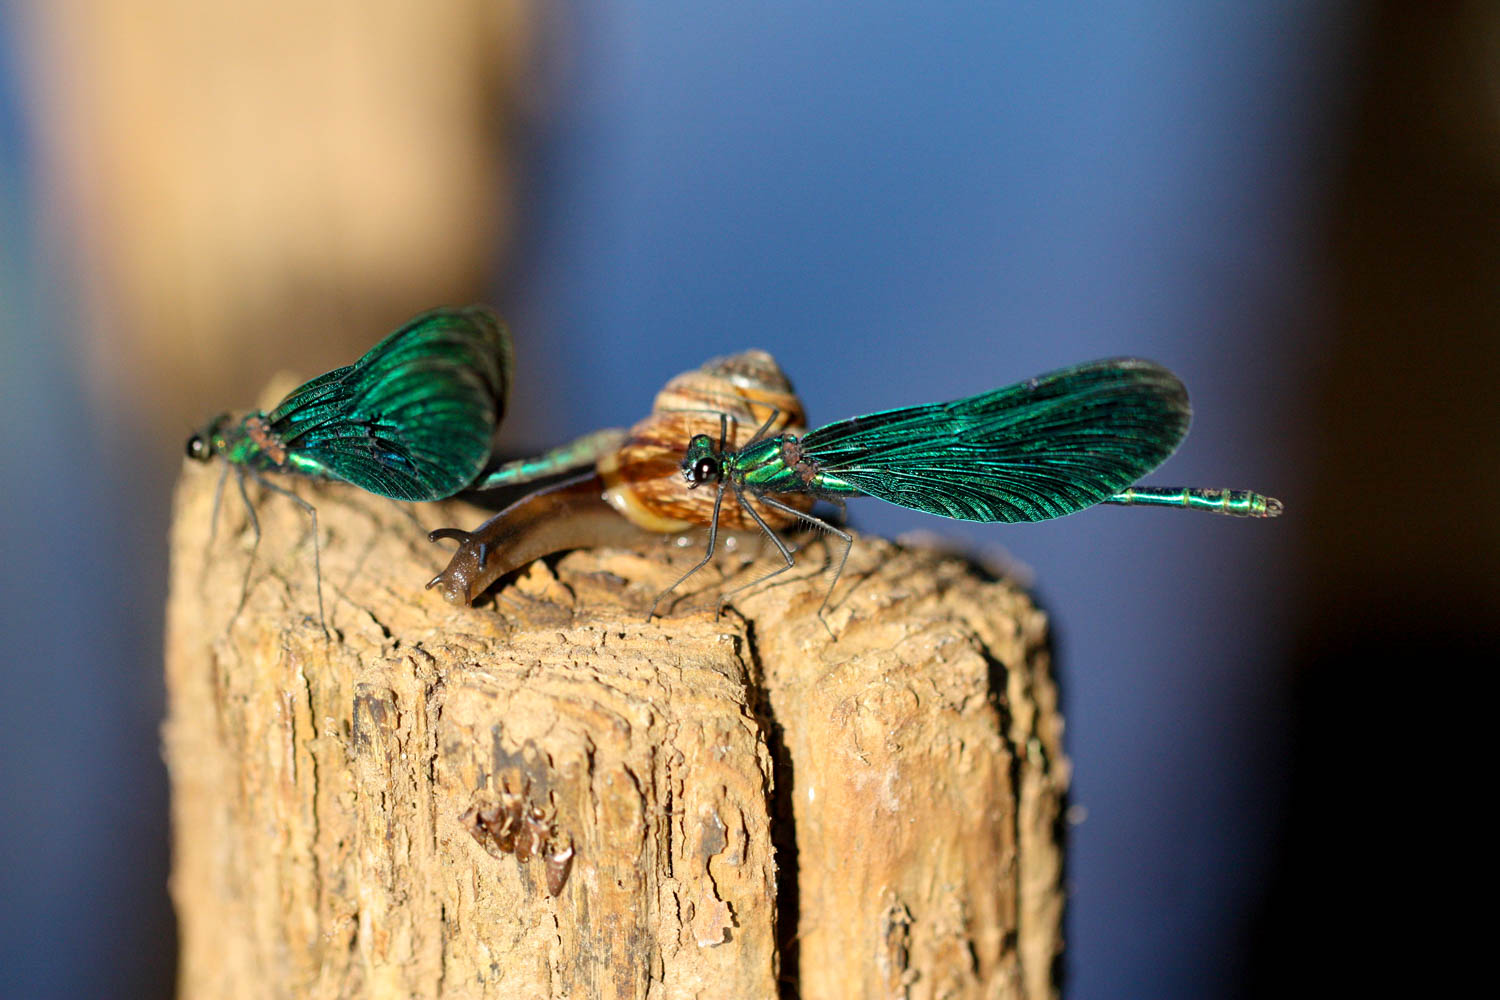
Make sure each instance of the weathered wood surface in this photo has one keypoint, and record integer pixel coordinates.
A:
(754, 808)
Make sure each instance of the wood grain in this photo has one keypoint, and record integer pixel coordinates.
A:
(754, 809)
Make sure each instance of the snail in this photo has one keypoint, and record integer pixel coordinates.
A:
(636, 489)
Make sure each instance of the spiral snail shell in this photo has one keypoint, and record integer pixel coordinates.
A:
(643, 477)
(637, 484)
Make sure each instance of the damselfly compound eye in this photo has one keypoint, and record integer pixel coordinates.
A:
(706, 470)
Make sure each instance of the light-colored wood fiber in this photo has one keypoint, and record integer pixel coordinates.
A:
(754, 808)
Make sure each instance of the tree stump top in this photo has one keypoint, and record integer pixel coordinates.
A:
(547, 795)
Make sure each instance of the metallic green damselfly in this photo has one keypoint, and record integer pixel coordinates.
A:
(1049, 446)
(413, 419)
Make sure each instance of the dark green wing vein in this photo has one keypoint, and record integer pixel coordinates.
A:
(412, 419)
(1038, 449)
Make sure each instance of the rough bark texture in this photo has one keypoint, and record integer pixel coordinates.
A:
(753, 808)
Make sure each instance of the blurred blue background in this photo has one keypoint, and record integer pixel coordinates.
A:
(902, 202)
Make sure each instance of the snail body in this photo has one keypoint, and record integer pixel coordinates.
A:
(637, 488)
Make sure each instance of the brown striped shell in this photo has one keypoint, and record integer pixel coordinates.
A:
(643, 478)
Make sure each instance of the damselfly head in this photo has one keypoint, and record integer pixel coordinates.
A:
(203, 445)
(700, 465)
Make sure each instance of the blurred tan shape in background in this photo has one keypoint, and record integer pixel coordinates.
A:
(250, 185)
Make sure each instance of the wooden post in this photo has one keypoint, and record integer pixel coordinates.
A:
(752, 808)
